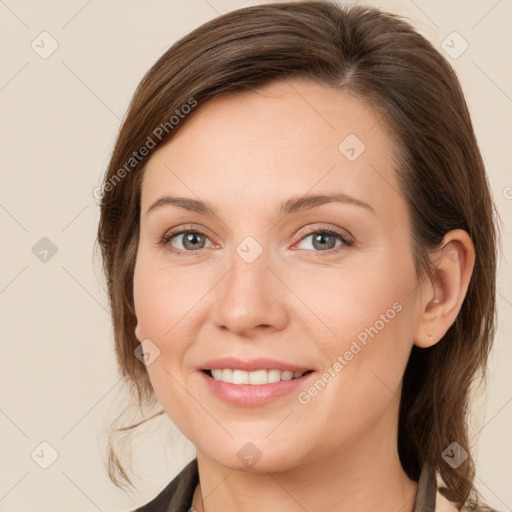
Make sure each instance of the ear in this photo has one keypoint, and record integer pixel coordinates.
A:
(442, 296)
(138, 333)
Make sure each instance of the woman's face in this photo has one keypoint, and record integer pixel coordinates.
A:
(259, 278)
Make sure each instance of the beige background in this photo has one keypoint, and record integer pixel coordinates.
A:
(59, 118)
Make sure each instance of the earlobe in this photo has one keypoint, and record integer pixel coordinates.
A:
(427, 333)
(442, 296)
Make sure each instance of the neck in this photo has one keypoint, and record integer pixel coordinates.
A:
(363, 474)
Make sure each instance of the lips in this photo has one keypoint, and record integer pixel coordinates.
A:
(253, 395)
(252, 365)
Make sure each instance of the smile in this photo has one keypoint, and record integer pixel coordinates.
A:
(266, 385)
(257, 377)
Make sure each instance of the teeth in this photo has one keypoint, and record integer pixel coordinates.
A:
(257, 377)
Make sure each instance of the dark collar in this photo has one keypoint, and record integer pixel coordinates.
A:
(177, 496)
(427, 489)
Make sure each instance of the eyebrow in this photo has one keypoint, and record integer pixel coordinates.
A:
(292, 205)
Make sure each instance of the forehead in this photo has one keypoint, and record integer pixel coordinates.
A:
(263, 145)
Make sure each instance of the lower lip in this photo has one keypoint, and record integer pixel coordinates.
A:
(252, 395)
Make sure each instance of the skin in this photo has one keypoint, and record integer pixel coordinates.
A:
(245, 154)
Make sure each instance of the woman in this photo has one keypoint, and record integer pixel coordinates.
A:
(300, 248)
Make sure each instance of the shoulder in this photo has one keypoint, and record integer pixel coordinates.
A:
(445, 505)
(476, 508)
(177, 495)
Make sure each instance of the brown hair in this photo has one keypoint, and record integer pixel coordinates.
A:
(379, 57)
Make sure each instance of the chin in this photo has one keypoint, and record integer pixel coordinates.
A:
(256, 458)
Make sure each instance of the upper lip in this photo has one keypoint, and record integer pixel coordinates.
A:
(252, 365)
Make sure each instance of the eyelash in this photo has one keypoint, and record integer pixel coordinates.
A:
(347, 242)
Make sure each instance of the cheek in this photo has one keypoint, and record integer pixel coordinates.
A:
(364, 362)
(367, 317)
(164, 298)
(168, 302)
(161, 306)
(364, 302)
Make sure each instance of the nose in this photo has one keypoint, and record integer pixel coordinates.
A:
(250, 298)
